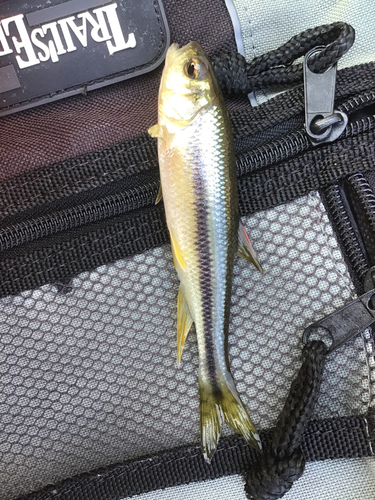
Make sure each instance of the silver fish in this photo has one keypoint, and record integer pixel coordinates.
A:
(199, 188)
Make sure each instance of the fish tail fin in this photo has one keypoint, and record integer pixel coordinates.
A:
(221, 403)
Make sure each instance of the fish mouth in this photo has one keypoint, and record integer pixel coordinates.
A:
(173, 49)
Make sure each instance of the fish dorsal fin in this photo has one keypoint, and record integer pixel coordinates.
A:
(184, 322)
(178, 259)
(159, 196)
(245, 248)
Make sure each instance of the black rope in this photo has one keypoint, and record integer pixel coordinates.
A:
(275, 68)
(283, 461)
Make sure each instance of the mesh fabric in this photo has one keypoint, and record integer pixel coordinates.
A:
(89, 378)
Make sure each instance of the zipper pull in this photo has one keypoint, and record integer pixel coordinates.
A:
(323, 124)
(347, 322)
(369, 282)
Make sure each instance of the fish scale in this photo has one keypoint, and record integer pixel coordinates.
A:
(199, 186)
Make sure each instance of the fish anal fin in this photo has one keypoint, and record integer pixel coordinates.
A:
(222, 403)
(156, 131)
(178, 259)
(184, 322)
(159, 195)
(246, 249)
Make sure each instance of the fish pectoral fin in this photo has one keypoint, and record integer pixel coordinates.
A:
(159, 195)
(157, 131)
(246, 249)
(184, 322)
(178, 259)
(222, 403)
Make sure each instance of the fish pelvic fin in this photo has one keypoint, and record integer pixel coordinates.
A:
(221, 403)
(159, 195)
(178, 258)
(246, 249)
(184, 322)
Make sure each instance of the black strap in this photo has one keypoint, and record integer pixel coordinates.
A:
(326, 439)
(337, 205)
(123, 160)
(68, 254)
(275, 68)
(283, 461)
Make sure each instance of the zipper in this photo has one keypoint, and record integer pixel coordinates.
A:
(351, 205)
(64, 220)
(323, 123)
(350, 239)
(144, 194)
(298, 142)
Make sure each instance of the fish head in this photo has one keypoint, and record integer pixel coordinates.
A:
(188, 84)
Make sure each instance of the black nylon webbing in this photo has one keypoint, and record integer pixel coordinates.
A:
(121, 160)
(326, 439)
(58, 258)
(62, 256)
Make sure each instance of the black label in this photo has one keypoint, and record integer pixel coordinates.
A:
(54, 49)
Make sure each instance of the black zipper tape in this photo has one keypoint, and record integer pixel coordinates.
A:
(99, 204)
(66, 254)
(266, 189)
(326, 439)
(122, 160)
(88, 199)
(347, 233)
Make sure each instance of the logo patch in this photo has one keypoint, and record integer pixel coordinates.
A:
(61, 49)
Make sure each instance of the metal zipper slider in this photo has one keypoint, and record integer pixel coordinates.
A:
(323, 124)
(347, 322)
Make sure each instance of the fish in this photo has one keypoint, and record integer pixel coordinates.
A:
(199, 190)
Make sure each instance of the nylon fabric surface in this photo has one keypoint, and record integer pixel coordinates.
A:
(321, 480)
(89, 378)
(267, 25)
(81, 124)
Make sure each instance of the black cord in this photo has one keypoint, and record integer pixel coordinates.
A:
(283, 461)
(275, 68)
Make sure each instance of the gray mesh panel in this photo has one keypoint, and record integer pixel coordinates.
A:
(90, 378)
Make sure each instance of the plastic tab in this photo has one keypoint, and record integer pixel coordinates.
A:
(319, 102)
(347, 322)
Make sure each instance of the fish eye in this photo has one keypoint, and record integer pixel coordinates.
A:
(195, 69)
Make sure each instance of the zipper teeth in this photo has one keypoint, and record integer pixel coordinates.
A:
(359, 126)
(298, 142)
(344, 228)
(366, 196)
(275, 151)
(357, 102)
(46, 225)
(263, 156)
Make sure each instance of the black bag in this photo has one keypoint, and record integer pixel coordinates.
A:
(88, 289)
